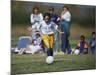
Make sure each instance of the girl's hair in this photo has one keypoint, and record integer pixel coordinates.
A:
(51, 9)
(93, 33)
(36, 8)
(66, 7)
(82, 36)
(47, 14)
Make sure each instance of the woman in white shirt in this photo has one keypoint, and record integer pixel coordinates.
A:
(65, 27)
(35, 18)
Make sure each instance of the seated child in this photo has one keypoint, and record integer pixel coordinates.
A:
(82, 45)
(35, 46)
(92, 43)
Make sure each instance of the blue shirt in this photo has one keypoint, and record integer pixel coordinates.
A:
(54, 18)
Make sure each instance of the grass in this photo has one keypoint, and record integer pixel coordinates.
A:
(24, 64)
(36, 63)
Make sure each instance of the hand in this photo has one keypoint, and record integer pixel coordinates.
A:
(29, 28)
(61, 32)
(63, 12)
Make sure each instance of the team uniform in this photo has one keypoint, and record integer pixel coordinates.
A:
(65, 27)
(35, 21)
(83, 47)
(47, 32)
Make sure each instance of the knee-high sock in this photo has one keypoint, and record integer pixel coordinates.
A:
(49, 52)
(51, 49)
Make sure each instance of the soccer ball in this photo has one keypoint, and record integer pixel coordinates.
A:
(76, 51)
(49, 59)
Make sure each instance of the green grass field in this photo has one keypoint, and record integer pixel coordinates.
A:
(23, 64)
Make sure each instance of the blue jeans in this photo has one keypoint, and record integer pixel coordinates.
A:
(93, 50)
(65, 27)
(65, 43)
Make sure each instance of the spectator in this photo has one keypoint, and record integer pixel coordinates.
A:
(82, 45)
(93, 43)
(65, 27)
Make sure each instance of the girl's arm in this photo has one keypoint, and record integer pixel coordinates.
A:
(60, 31)
(56, 27)
(62, 13)
(41, 17)
(32, 19)
(40, 32)
(78, 45)
(29, 28)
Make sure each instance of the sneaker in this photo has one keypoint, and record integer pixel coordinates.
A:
(61, 53)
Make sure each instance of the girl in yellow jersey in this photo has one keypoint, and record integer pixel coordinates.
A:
(47, 32)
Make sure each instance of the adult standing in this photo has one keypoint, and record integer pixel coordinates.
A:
(65, 27)
(93, 43)
(35, 18)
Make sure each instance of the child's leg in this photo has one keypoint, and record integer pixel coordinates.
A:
(51, 40)
(46, 40)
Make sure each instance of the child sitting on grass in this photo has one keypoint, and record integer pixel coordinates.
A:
(82, 45)
(36, 46)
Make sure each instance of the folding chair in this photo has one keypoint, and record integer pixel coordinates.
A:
(22, 44)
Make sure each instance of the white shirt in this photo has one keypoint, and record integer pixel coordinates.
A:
(67, 16)
(36, 18)
(47, 28)
(35, 21)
